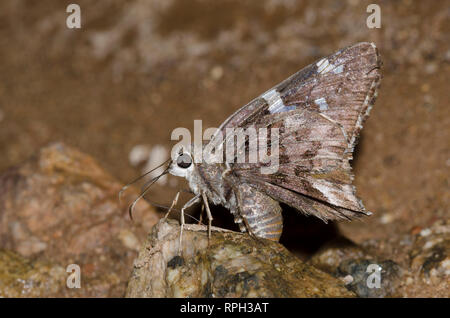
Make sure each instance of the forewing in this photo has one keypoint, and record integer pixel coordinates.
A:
(342, 87)
(319, 112)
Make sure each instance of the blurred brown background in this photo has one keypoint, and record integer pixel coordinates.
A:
(138, 69)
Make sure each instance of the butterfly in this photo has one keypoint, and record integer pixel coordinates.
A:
(318, 114)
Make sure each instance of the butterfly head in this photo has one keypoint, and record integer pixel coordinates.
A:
(182, 165)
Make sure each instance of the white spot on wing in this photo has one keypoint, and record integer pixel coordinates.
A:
(322, 65)
(275, 102)
(328, 193)
(339, 69)
(322, 103)
(332, 194)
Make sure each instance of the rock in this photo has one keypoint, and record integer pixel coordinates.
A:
(332, 254)
(232, 265)
(414, 264)
(369, 278)
(22, 278)
(430, 258)
(351, 263)
(61, 206)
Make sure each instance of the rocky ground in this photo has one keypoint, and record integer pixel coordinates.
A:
(229, 264)
(61, 208)
(138, 69)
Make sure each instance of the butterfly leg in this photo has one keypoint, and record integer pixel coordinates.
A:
(201, 214)
(208, 214)
(174, 202)
(188, 204)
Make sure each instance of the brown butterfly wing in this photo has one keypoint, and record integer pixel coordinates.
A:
(319, 112)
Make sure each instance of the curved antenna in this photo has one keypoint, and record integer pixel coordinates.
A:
(195, 219)
(139, 178)
(145, 189)
(130, 209)
(173, 209)
(165, 207)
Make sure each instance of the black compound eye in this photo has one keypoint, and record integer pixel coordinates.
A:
(184, 161)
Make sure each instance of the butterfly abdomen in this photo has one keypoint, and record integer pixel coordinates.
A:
(267, 226)
(261, 214)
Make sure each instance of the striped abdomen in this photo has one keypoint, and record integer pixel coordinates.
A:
(261, 214)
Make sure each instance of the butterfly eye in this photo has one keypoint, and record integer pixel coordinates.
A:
(184, 161)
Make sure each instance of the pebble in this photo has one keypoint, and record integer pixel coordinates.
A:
(431, 68)
(347, 279)
(216, 73)
(387, 218)
(158, 154)
(139, 154)
(425, 232)
(409, 281)
(152, 156)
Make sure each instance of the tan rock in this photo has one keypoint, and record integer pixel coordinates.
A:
(232, 265)
(20, 277)
(62, 207)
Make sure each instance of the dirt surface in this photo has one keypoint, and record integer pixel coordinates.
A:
(138, 69)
